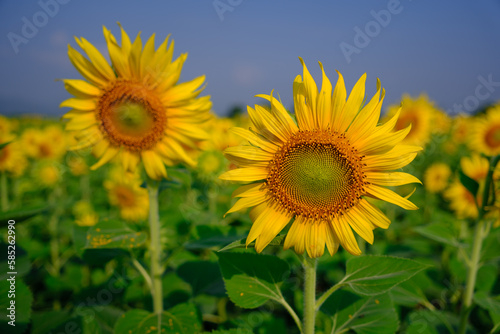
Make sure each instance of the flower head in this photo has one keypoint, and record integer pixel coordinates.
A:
(320, 170)
(485, 136)
(135, 110)
(436, 177)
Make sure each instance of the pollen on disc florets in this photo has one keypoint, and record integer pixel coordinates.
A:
(316, 174)
(131, 115)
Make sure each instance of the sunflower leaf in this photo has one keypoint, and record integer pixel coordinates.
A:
(470, 184)
(19, 215)
(252, 279)
(182, 319)
(492, 304)
(363, 315)
(114, 234)
(279, 240)
(371, 275)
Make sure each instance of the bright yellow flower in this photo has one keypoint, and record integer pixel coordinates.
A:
(461, 200)
(49, 143)
(78, 166)
(461, 128)
(419, 114)
(485, 136)
(47, 174)
(441, 122)
(320, 170)
(436, 177)
(84, 214)
(135, 110)
(125, 192)
(12, 158)
(5, 124)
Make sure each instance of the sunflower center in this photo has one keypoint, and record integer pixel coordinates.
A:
(316, 174)
(131, 115)
(493, 136)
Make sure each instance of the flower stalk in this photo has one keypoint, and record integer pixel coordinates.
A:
(479, 236)
(155, 249)
(309, 295)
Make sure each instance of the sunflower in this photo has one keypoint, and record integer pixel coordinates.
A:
(322, 169)
(84, 214)
(12, 158)
(135, 111)
(125, 192)
(46, 144)
(462, 202)
(436, 177)
(461, 128)
(419, 113)
(485, 136)
(48, 174)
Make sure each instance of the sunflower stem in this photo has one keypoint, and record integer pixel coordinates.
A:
(479, 235)
(155, 249)
(309, 295)
(4, 191)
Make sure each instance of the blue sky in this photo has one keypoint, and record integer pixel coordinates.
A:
(447, 49)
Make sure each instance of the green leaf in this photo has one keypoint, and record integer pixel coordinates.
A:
(252, 279)
(22, 299)
(181, 319)
(411, 292)
(490, 304)
(19, 215)
(441, 232)
(231, 331)
(210, 282)
(211, 236)
(114, 234)
(45, 322)
(470, 184)
(372, 275)
(431, 322)
(364, 315)
(277, 241)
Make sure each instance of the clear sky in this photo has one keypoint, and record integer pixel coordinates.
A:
(448, 49)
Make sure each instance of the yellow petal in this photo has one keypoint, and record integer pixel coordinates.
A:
(153, 164)
(358, 223)
(325, 102)
(277, 221)
(109, 154)
(247, 174)
(389, 196)
(353, 104)
(391, 179)
(345, 235)
(81, 87)
(315, 239)
(79, 104)
(97, 59)
(247, 202)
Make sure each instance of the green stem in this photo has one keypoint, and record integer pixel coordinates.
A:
(4, 191)
(479, 236)
(53, 226)
(309, 295)
(155, 250)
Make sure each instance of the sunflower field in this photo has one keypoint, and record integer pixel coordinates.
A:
(141, 211)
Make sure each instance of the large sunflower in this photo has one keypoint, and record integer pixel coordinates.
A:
(485, 136)
(134, 110)
(321, 169)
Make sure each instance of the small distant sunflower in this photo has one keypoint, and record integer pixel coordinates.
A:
(125, 192)
(135, 110)
(12, 158)
(417, 112)
(461, 200)
(436, 177)
(485, 136)
(47, 174)
(461, 128)
(46, 144)
(84, 214)
(322, 169)
(77, 166)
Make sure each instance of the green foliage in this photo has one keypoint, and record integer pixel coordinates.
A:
(252, 279)
(372, 275)
(470, 184)
(364, 315)
(182, 319)
(20, 215)
(22, 297)
(114, 234)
